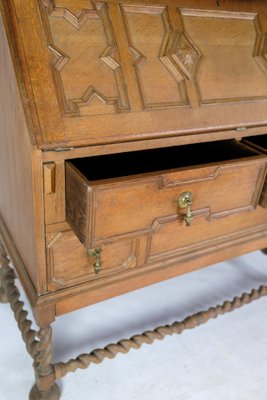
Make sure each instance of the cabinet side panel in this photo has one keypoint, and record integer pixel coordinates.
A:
(16, 193)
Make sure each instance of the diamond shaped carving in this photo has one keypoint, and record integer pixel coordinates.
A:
(260, 51)
(180, 56)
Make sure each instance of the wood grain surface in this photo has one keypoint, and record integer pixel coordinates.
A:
(20, 163)
(104, 210)
(147, 70)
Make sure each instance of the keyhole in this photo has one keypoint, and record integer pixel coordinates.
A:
(218, 3)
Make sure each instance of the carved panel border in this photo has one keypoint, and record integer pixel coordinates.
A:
(200, 248)
(174, 44)
(55, 282)
(109, 56)
(163, 183)
(259, 53)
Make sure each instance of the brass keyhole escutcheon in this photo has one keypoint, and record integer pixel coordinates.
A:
(185, 200)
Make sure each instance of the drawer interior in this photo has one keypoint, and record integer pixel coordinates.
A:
(259, 142)
(140, 162)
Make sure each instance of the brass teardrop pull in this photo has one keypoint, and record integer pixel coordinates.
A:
(97, 264)
(185, 200)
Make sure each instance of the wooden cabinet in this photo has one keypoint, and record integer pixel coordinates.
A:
(132, 147)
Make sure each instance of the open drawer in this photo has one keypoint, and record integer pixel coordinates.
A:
(259, 143)
(130, 195)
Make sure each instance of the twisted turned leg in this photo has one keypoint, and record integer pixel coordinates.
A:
(4, 269)
(38, 344)
(45, 387)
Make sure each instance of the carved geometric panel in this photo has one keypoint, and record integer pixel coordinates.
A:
(143, 69)
(69, 264)
(233, 64)
(175, 241)
(260, 51)
(181, 55)
(77, 8)
(149, 34)
(85, 59)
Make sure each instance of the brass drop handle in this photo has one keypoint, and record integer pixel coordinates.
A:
(97, 264)
(185, 200)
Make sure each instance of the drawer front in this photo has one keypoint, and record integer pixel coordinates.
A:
(69, 264)
(173, 245)
(129, 208)
(174, 241)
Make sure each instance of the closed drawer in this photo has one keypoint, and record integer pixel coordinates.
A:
(69, 264)
(126, 196)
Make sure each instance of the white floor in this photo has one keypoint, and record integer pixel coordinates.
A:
(225, 359)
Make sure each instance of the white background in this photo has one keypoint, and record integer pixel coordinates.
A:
(225, 359)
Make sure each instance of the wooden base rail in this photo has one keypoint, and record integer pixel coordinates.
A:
(39, 344)
(124, 346)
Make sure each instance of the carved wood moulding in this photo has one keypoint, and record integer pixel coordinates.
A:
(82, 43)
(177, 55)
(78, 266)
(123, 223)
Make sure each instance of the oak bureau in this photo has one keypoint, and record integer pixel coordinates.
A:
(133, 148)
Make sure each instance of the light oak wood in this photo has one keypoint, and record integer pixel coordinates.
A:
(80, 151)
(153, 256)
(78, 300)
(52, 394)
(69, 263)
(260, 144)
(41, 350)
(18, 158)
(148, 337)
(103, 210)
(246, 234)
(4, 264)
(54, 192)
(109, 110)
(150, 69)
(123, 103)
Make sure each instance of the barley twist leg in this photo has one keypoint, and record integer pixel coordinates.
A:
(45, 387)
(4, 269)
(38, 344)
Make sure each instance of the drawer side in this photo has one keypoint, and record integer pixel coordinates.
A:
(77, 201)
